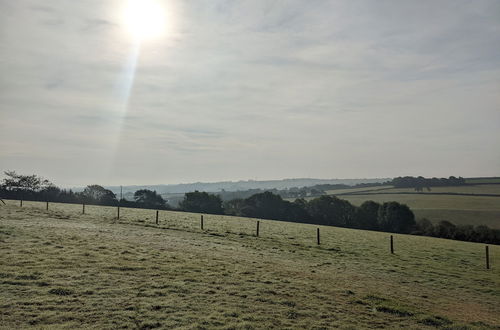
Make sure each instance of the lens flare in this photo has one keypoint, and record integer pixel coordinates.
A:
(147, 24)
(145, 19)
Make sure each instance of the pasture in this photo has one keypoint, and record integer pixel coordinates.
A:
(483, 180)
(357, 190)
(459, 209)
(62, 269)
(478, 189)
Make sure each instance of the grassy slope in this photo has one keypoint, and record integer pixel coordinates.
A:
(64, 269)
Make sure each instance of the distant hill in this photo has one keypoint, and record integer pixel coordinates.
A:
(239, 185)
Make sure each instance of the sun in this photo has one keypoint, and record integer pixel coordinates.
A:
(145, 19)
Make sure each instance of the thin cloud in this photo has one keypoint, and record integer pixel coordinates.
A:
(252, 89)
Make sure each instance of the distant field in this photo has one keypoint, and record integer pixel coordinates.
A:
(461, 217)
(476, 189)
(350, 190)
(423, 201)
(483, 180)
(67, 270)
(473, 210)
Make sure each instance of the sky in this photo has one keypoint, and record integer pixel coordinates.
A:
(237, 90)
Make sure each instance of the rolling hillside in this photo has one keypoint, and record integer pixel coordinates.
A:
(62, 269)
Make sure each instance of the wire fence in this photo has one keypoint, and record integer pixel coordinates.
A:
(327, 238)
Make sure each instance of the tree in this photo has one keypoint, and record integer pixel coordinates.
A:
(330, 210)
(296, 211)
(265, 205)
(366, 215)
(202, 202)
(484, 234)
(420, 182)
(465, 233)
(446, 229)
(50, 193)
(98, 194)
(395, 217)
(149, 199)
(19, 182)
(234, 207)
(425, 227)
(301, 202)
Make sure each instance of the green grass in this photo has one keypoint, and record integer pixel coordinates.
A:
(461, 210)
(488, 218)
(473, 189)
(471, 210)
(422, 201)
(356, 190)
(62, 269)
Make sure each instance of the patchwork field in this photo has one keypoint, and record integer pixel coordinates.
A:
(62, 269)
(483, 180)
(479, 189)
(357, 190)
(459, 209)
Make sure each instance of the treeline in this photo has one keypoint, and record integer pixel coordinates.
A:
(35, 188)
(446, 229)
(294, 192)
(332, 211)
(324, 210)
(421, 182)
(320, 189)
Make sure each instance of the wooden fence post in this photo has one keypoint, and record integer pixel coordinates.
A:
(47, 206)
(392, 245)
(487, 257)
(21, 204)
(156, 216)
(118, 213)
(317, 235)
(83, 208)
(201, 222)
(258, 223)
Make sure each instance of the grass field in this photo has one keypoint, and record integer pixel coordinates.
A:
(472, 189)
(62, 269)
(357, 190)
(483, 180)
(461, 210)
(472, 210)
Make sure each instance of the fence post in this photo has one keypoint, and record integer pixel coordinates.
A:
(392, 245)
(83, 208)
(201, 222)
(317, 235)
(118, 213)
(21, 205)
(47, 206)
(258, 223)
(156, 216)
(487, 257)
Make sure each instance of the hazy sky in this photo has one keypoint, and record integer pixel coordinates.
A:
(250, 90)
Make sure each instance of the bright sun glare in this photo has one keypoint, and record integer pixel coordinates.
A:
(145, 19)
